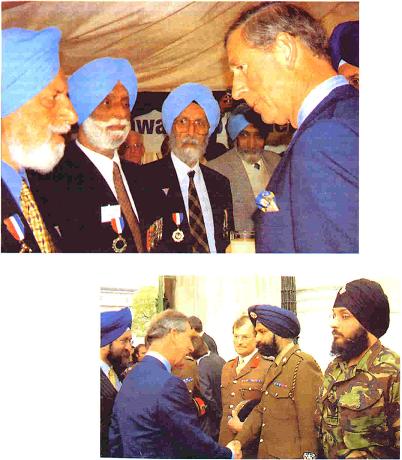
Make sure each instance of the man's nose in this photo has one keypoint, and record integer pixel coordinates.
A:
(67, 111)
(239, 86)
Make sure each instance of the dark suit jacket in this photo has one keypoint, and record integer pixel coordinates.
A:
(210, 343)
(210, 371)
(74, 194)
(8, 208)
(153, 417)
(316, 183)
(162, 175)
(108, 394)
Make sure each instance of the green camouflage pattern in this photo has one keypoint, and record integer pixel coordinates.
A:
(358, 407)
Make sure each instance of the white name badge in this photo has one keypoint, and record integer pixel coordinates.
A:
(110, 212)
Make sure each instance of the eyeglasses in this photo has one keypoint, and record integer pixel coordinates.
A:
(182, 125)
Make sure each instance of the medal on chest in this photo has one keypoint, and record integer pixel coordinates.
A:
(119, 244)
(17, 230)
(177, 235)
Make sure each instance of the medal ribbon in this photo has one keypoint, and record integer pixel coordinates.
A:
(15, 227)
(118, 224)
(177, 218)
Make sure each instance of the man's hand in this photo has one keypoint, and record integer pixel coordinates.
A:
(235, 447)
(234, 423)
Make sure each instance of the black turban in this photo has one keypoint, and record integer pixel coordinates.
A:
(366, 301)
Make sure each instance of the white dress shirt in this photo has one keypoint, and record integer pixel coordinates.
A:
(106, 368)
(105, 166)
(182, 171)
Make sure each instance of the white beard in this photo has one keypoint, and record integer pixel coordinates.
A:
(42, 158)
(99, 136)
(189, 154)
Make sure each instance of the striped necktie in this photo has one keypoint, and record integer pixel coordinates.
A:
(113, 377)
(128, 212)
(32, 215)
(196, 220)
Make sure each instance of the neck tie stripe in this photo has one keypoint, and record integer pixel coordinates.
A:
(196, 220)
(33, 217)
(126, 208)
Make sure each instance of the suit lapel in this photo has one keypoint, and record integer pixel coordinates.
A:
(277, 369)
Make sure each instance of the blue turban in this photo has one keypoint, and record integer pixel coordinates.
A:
(92, 82)
(114, 324)
(30, 61)
(344, 44)
(182, 97)
(278, 320)
(236, 123)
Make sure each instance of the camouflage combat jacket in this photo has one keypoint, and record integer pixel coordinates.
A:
(358, 407)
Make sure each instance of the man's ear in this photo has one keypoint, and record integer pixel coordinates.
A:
(286, 49)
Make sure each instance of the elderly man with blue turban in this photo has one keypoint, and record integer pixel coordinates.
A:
(344, 51)
(198, 201)
(115, 351)
(284, 419)
(105, 208)
(35, 112)
(247, 165)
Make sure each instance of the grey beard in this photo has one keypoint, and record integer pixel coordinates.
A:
(97, 134)
(188, 154)
(250, 156)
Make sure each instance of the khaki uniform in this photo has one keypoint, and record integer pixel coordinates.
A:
(187, 370)
(359, 407)
(240, 387)
(284, 420)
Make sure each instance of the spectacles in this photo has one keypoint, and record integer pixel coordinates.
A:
(182, 125)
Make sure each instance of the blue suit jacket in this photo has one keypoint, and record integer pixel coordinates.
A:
(153, 417)
(316, 183)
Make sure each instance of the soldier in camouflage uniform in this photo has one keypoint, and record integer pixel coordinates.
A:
(358, 408)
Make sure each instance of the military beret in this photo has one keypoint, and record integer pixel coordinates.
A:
(114, 324)
(366, 301)
(278, 320)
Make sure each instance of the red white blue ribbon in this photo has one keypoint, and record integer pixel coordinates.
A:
(177, 218)
(118, 224)
(15, 227)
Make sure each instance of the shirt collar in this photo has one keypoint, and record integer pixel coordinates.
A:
(182, 169)
(105, 368)
(207, 354)
(318, 94)
(160, 358)
(99, 157)
(13, 179)
(283, 353)
(247, 358)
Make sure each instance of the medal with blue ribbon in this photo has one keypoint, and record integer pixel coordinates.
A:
(119, 243)
(17, 230)
(266, 201)
(177, 235)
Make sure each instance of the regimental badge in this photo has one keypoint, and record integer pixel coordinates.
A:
(253, 314)
(119, 244)
(342, 290)
(17, 230)
(266, 201)
(177, 235)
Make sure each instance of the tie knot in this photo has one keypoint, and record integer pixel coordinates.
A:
(191, 174)
(256, 166)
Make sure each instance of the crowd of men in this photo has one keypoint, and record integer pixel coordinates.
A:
(94, 200)
(181, 400)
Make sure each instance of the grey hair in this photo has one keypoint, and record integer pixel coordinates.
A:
(163, 323)
(244, 319)
(261, 25)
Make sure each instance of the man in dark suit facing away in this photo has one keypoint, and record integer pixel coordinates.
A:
(153, 415)
(196, 326)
